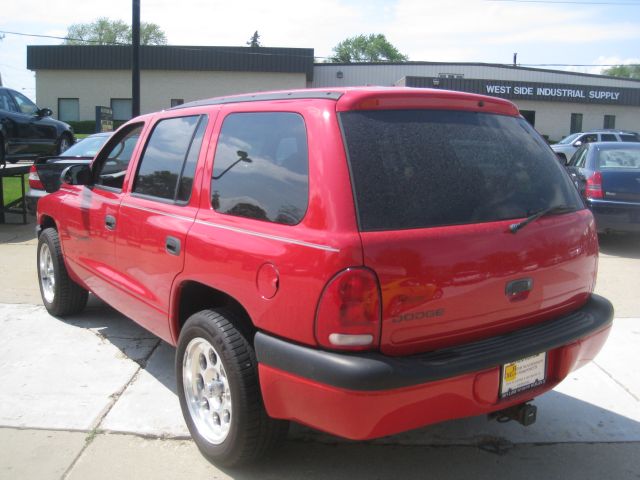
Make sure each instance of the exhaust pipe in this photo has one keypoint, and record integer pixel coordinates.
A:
(524, 414)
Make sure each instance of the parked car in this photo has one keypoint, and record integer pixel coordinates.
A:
(608, 176)
(566, 147)
(27, 131)
(44, 174)
(363, 261)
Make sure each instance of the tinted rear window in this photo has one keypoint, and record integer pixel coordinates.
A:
(426, 168)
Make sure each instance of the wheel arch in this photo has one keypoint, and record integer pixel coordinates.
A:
(45, 221)
(191, 296)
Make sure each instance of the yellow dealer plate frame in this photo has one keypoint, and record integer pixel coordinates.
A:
(523, 375)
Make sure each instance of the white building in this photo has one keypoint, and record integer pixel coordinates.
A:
(73, 80)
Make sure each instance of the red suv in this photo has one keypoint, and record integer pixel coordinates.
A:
(363, 261)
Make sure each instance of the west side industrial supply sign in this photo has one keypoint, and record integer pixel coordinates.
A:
(533, 91)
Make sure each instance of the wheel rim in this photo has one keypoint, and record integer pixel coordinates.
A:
(64, 144)
(47, 273)
(206, 390)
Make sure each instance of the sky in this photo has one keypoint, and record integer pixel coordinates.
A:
(579, 32)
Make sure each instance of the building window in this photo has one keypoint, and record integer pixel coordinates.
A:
(576, 122)
(68, 109)
(176, 101)
(450, 75)
(529, 116)
(121, 108)
(609, 121)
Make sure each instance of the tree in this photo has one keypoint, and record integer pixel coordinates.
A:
(107, 32)
(628, 71)
(254, 41)
(366, 48)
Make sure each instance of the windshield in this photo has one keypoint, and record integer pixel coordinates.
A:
(568, 139)
(426, 168)
(87, 147)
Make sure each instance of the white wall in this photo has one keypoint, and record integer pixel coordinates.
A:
(554, 118)
(157, 88)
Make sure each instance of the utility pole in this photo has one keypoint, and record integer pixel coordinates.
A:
(515, 59)
(135, 61)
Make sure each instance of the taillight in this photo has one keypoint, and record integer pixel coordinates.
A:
(34, 179)
(593, 187)
(348, 315)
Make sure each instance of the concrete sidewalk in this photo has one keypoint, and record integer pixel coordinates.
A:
(94, 397)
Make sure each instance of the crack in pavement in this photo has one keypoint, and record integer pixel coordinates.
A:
(620, 384)
(114, 397)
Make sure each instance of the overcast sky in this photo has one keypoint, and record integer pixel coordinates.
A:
(545, 32)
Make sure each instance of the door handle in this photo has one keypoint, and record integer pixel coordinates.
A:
(172, 245)
(110, 222)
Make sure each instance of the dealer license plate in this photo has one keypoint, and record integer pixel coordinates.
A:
(523, 375)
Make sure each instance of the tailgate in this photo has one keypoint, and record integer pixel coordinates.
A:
(435, 193)
(447, 286)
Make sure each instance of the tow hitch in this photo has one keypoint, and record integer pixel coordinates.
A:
(524, 414)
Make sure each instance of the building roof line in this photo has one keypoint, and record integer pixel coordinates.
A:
(479, 64)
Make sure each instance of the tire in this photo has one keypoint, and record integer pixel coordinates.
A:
(219, 391)
(64, 143)
(61, 295)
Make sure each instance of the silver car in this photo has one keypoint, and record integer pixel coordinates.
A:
(566, 147)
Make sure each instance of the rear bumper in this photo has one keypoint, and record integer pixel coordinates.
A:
(615, 216)
(361, 396)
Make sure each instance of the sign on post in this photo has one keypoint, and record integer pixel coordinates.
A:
(104, 119)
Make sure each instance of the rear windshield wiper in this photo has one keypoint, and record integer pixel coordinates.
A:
(514, 227)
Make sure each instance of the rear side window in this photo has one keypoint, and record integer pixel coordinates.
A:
(608, 137)
(629, 137)
(261, 167)
(427, 168)
(168, 163)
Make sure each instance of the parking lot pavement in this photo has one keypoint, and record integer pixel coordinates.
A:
(94, 397)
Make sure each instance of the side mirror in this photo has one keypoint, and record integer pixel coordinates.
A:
(577, 143)
(44, 112)
(76, 175)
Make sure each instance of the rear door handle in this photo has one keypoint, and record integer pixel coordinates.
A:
(172, 245)
(110, 222)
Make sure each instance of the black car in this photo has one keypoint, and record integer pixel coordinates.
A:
(44, 176)
(27, 131)
(608, 177)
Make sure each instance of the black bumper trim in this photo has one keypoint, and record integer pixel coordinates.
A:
(374, 371)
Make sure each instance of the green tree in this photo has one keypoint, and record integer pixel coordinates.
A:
(104, 31)
(254, 41)
(628, 71)
(366, 48)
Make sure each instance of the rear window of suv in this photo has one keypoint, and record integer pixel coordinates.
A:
(428, 168)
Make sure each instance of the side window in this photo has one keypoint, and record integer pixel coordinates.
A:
(25, 105)
(591, 137)
(6, 102)
(608, 137)
(627, 137)
(113, 165)
(579, 158)
(169, 159)
(261, 167)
